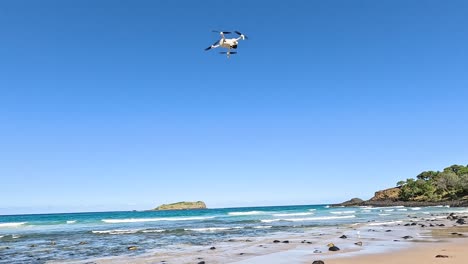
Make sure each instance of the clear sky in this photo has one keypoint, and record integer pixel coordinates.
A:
(114, 105)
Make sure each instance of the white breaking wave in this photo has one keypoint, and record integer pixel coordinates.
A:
(343, 212)
(15, 236)
(270, 220)
(1, 236)
(17, 224)
(384, 214)
(137, 220)
(153, 231)
(308, 218)
(262, 227)
(71, 222)
(294, 214)
(385, 223)
(326, 206)
(402, 209)
(212, 229)
(117, 231)
(416, 208)
(312, 210)
(389, 210)
(245, 213)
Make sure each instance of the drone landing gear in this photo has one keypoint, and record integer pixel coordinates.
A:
(228, 53)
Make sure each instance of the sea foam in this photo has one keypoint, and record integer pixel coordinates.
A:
(319, 218)
(245, 213)
(294, 214)
(212, 229)
(16, 224)
(343, 212)
(117, 231)
(385, 223)
(71, 221)
(137, 220)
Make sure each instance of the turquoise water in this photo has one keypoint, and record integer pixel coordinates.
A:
(44, 237)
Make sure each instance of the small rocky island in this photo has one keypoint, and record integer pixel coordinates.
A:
(182, 206)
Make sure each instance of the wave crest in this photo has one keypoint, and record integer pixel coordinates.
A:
(138, 220)
(245, 213)
(15, 224)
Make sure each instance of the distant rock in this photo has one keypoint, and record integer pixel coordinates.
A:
(441, 256)
(318, 262)
(182, 206)
(461, 221)
(359, 243)
(352, 202)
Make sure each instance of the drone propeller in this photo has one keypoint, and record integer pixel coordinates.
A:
(224, 52)
(222, 32)
(210, 47)
(240, 34)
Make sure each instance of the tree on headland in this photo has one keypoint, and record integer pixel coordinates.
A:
(451, 183)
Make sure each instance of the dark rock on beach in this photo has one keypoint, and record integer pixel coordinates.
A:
(358, 243)
(343, 236)
(407, 237)
(441, 256)
(212, 248)
(332, 247)
(201, 262)
(276, 241)
(318, 262)
(286, 241)
(461, 221)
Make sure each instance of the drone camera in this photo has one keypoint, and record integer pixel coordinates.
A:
(234, 46)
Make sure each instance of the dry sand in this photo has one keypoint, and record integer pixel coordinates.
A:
(456, 252)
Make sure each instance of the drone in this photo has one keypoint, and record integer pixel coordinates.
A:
(228, 43)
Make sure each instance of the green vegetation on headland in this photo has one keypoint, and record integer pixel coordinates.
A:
(447, 187)
(449, 184)
(182, 206)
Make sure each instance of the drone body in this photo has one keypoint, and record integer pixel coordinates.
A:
(228, 43)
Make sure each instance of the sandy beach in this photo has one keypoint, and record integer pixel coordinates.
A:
(453, 252)
(415, 240)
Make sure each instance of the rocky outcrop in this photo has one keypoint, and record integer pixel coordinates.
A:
(389, 197)
(352, 202)
(182, 206)
(391, 194)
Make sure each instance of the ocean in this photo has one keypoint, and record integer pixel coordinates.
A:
(78, 236)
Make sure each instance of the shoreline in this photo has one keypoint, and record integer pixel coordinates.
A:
(379, 240)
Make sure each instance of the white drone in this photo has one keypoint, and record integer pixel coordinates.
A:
(227, 43)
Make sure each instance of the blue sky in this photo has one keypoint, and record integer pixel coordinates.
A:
(114, 105)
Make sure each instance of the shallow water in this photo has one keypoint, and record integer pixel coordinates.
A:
(41, 238)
